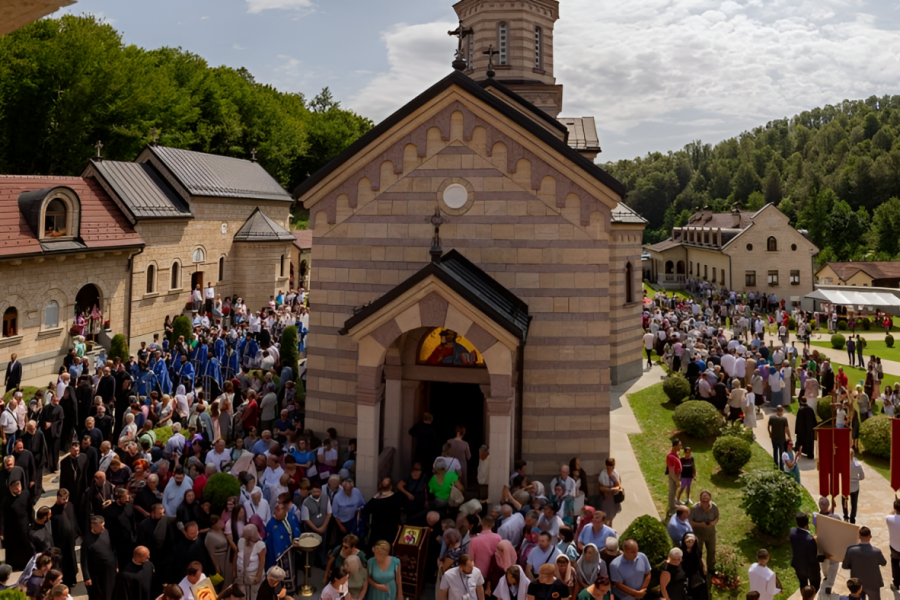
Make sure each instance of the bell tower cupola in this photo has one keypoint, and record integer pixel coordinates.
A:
(513, 39)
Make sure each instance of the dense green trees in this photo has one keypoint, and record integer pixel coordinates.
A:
(835, 171)
(66, 83)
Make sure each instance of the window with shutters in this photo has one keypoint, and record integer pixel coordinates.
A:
(503, 44)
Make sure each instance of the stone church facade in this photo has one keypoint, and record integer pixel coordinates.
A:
(471, 263)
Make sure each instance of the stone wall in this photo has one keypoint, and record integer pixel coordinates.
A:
(625, 314)
(30, 284)
(212, 229)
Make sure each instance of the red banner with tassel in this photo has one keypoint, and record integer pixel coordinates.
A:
(834, 462)
(895, 454)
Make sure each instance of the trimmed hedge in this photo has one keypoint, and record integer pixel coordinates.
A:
(823, 408)
(771, 499)
(290, 356)
(118, 348)
(865, 323)
(219, 488)
(838, 341)
(842, 325)
(181, 326)
(732, 453)
(875, 436)
(737, 429)
(13, 594)
(677, 388)
(698, 419)
(889, 341)
(651, 536)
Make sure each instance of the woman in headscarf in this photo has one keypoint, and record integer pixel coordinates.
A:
(693, 566)
(513, 585)
(588, 568)
(565, 573)
(182, 405)
(587, 516)
(504, 557)
(189, 508)
(250, 564)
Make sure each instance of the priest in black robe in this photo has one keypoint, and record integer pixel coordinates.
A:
(98, 561)
(106, 387)
(92, 456)
(135, 579)
(25, 460)
(69, 404)
(805, 427)
(64, 525)
(84, 397)
(51, 425)
(73, 475)
(18, 515)
(9, 474)
(41, 534)
(158, 533)
(189, 547)
(122, 527)
(34, 441)
(97, 497)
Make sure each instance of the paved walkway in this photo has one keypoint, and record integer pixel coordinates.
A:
(638, 500)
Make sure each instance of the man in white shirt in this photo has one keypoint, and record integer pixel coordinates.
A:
(649, 340)
(210, 296)
(10, 427)
(567, 482)
(762, 578)
(727, 362)
(513, 527)
(740, 366)
(463, 582)
(893, 525)
(544, 554)
(194, 574)
(219, 456)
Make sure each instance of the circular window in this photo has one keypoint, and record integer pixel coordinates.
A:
(455, 196)
(793, 246)
(749, 246)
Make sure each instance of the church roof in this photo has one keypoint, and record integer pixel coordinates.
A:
(582, 133)
(625, 214)
(204, 174)
(102, 225)
(475, 286)
(479, 91)
(260, 228)
(142, 190)
(303, 238)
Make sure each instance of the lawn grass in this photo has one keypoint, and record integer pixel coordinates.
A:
(873, 347)
(27, 393)
(735, 529)
(652, 290)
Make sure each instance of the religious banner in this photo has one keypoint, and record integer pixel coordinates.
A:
(411, 547)
(834, 462)
(895, 454)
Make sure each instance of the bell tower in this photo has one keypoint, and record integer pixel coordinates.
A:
(520, 34)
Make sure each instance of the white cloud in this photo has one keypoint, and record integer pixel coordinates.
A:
(239, 47)
(418, 55)
(203, 18)
(255, 6)
(659, 73)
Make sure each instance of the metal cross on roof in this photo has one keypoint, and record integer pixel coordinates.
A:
(99, 146)
(491, 53)
(437, 220)
(253, 155)
(154, 136)
(461, 33)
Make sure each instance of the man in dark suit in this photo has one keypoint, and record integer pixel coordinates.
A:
(864, 562)
(805, 558)
(13, 373)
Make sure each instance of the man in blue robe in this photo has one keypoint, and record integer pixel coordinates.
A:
(281, 530)
(219, 348)
(186, 374)
(212, 377)
(162, 375)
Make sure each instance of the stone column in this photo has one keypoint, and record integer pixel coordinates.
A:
(392, 402)
(499, 424)
(368, 433)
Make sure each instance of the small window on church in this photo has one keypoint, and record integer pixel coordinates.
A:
(55, 215)
(538, 46)
(199, 255)
(503, 44)
(10, 322)
(51, 315)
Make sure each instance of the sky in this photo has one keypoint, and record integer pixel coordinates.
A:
(655, 74)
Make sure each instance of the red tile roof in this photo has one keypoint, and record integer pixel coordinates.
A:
(102, 223)
(876, 270)
(302, 238)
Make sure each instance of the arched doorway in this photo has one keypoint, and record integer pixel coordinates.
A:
(670, 267)
(680, 267)
(89, 304)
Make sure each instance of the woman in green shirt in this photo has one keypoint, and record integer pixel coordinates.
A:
(442, 482)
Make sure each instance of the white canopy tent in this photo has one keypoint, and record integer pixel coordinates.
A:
(858, 299)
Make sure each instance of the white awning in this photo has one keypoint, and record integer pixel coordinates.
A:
(851, 297)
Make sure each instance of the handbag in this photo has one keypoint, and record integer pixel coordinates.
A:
(456, 497)
(619, 497)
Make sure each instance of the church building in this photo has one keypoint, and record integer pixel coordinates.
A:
(472, 262)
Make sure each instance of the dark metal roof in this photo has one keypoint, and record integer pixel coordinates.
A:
(142, 189)
(477, 90)
(475, 286)
(204, 174)
(260, 228)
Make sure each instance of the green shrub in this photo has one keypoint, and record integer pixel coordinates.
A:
(889, 341)
(219, 488)
(732, 453)
(698, 419)
(823, 408)
(865, 323)
(838, 341)
(13, 594)
(28, 393)
(677, 388)
(792, 324)
(842, 324)
(771, 499)
(862, 341)
(652, 538)
(875, 436)
(737, 429)
(290, 357)
(728, 567)
(181, 326)
(163, 434)
(118, 348)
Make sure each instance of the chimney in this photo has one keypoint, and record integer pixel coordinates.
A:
(735, 217)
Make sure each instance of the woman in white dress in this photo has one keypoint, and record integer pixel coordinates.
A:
(748, 406)
(250, 563)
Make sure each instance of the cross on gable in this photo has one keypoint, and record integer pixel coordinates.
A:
(99, 146)
(437, 220)
(491, 53)
(461, 34)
